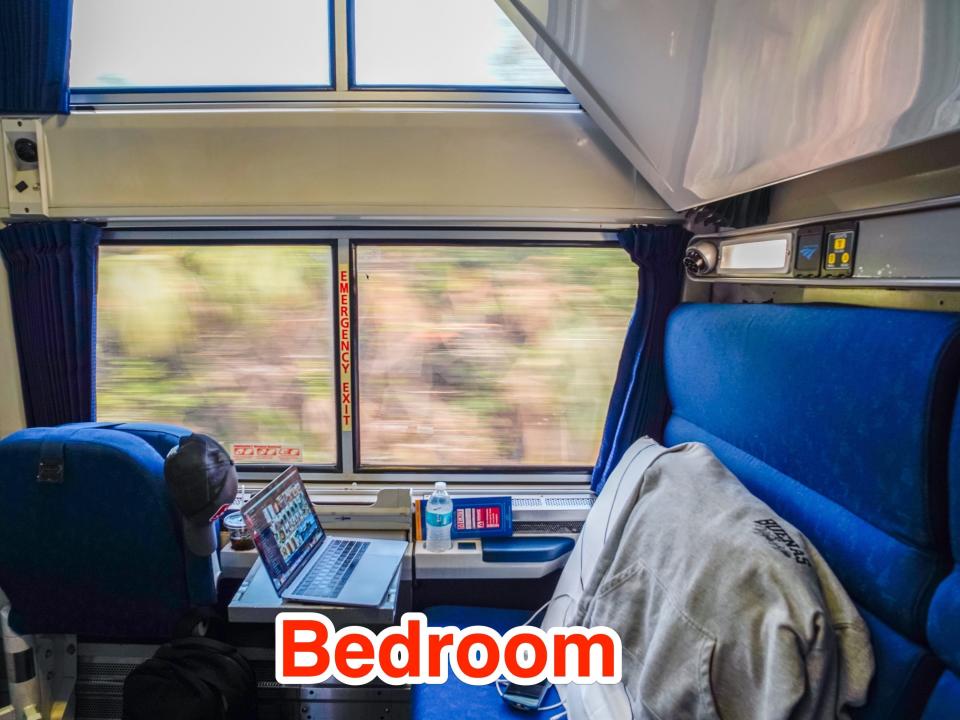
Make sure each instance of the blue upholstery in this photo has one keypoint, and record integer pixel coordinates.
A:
(457, 700)
(945, 702)
(944, 624)
(100, 554)
(525, 549)
(839, 419)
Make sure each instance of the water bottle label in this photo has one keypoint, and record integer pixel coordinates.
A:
(439, 519)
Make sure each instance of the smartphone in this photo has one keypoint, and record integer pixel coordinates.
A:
(526, 697)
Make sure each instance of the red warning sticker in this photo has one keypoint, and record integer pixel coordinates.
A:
(267, 453)
(290, 455)
(244, 452)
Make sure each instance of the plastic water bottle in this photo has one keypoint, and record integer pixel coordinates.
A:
(439, 519)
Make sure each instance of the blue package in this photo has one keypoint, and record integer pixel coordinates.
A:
(477, 517)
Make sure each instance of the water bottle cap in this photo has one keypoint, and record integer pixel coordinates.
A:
(440, 485)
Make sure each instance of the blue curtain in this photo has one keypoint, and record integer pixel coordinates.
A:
(639, 405)
(52, 270)
(34, 56)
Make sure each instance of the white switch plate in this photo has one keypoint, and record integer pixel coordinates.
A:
(26, 182)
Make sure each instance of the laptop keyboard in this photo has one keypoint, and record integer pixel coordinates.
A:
(332, 569)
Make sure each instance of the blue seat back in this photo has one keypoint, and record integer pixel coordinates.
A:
(943, 627)
(839, 419)
(98, 552)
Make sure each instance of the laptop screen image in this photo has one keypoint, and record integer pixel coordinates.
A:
(284, 526)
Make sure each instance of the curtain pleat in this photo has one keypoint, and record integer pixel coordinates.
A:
(35, 56)
(639, 404)
(52, 269)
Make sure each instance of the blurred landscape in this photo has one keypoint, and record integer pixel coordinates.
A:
(488, 355)
(476, 356)
(234, 341)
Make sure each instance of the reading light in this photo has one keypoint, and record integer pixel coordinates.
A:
(767, 254)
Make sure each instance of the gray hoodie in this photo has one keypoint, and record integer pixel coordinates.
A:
(724, 609)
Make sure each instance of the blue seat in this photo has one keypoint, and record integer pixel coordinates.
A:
(943, 627)
(95, 548)
(838, 418)
(458, 700)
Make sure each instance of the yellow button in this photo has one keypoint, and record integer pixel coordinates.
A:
(845, 258)
(832, 259)
(840, 243)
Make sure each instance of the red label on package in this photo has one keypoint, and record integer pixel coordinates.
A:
(478, 518)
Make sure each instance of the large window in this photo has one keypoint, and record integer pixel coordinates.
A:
(190, 44)
(494, 356)
(133, 51)
(234, 341)
(443, 43)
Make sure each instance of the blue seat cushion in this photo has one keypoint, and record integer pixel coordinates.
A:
(838, 417)
(889, 577)
(945, 702)
(904, 676)
(455, 700)
(943, 627)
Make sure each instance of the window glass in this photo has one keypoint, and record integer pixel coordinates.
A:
(488, 356)
(200, 43)
(233, 341)
(447, 43)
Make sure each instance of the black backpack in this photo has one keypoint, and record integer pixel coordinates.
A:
(191, 678)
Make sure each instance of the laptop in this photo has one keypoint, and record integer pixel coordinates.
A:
(307, 565)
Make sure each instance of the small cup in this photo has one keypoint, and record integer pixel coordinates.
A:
(239, 534)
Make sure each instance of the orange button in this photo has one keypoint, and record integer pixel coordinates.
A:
(840, 243)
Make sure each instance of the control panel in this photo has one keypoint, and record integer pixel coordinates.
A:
(841, 246)
(810, 251)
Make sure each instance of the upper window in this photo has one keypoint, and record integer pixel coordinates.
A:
(193, 44)
(489, 356)
(443, 43)
(142, 51)
(234, 341)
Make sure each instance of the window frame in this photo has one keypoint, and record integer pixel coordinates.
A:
(226, 93)
(342, 91)
(111, 239)
(347, 476)
(483, 90)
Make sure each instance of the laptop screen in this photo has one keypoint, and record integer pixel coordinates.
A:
(284, 526)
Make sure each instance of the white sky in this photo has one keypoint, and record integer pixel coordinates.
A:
(180, 43)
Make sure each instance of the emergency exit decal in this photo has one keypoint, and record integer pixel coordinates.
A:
(343, 322)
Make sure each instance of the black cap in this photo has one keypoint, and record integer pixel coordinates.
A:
(202, 481)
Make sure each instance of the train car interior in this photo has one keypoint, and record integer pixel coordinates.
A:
(469, 359)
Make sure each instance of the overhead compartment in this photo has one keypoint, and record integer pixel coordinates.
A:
(496, 164)
(712, 98)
